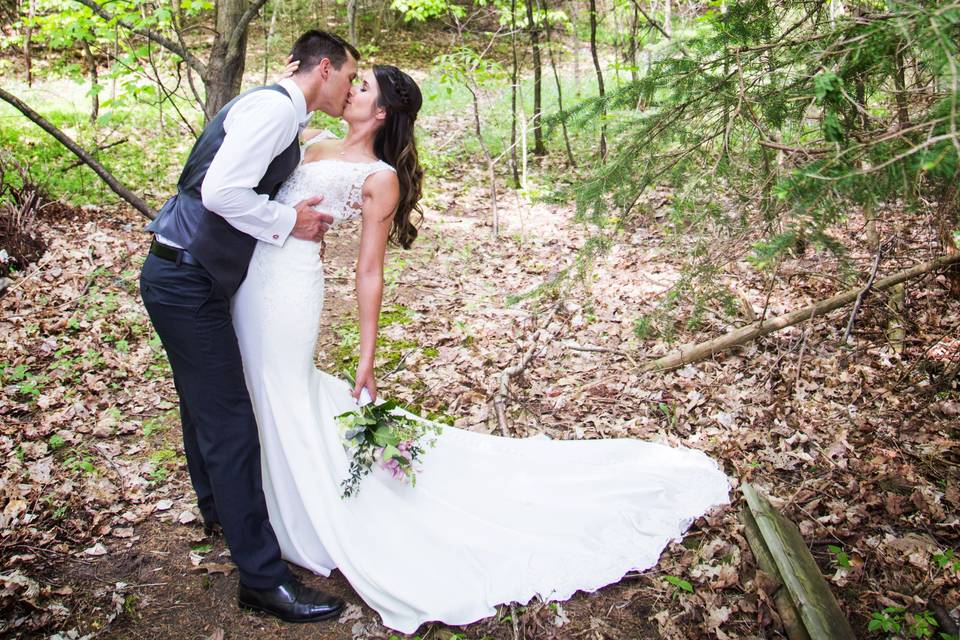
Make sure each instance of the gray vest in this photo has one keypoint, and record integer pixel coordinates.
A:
(221, 249)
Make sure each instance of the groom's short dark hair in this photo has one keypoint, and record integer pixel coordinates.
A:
(315, 45)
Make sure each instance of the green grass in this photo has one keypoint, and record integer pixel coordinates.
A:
(148, 162)
(390, 351)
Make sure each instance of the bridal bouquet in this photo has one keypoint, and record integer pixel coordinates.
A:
(380, 434)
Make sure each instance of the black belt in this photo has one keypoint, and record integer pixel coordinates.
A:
(180, 256)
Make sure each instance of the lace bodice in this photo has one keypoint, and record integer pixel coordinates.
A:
(338, 181)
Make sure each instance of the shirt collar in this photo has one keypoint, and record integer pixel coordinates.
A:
(299, 101)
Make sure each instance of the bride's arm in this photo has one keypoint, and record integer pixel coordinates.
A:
(381, 192)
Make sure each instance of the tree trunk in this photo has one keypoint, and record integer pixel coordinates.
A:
(223, 74)
(575, 11)
(89, 160)
(596, 65)
(225, 68)
(28, 40)
(116, 56)
(873, 235)
(632, 48)
(352, 19)
(94, 84)
(514, 72)
(556, 78)
(532, 24)
(491, 174)
(268, 36)
(899, 81)
(378, 22)
(895, 326)
(948, 221)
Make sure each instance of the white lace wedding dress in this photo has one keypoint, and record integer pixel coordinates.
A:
(491, 520)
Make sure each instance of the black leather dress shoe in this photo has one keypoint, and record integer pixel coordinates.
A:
(212, 528)
(292, 601)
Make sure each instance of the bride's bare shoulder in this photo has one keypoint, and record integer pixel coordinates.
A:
(321, 149)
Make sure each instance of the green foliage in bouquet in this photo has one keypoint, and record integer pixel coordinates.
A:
(382, 434)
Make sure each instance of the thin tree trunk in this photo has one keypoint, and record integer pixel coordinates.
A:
(899, 81)
(491, 174)
(666, 18)
(948, 219)
(556, 78)
(514, 72)
(522, 120)
(352, 19)
(697, 352)
(873, 235)
(378, 23)
(596, 65)
(538, 148)
(116, 56)
(575, 10)
(895, 326)
(28, 41)
(94, 84)
(89, 160)
(267, 38)
(632, 48)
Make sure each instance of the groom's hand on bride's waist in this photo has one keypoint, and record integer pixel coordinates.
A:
(311, 224)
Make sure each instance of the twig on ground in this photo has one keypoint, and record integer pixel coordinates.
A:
(592, 349)
(500, 398)
(864, 292)
(803, 346)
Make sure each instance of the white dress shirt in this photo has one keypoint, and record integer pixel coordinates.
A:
(257, 129)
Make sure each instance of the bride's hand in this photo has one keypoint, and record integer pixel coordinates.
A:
(365, 378)
(292, 65)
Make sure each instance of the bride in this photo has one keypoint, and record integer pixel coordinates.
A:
(491, 520)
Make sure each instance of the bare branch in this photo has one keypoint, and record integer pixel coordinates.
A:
(233, 45)
(89, 160)
(651, 21)
(160, 39)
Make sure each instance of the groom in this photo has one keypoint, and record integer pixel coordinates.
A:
(204, 237)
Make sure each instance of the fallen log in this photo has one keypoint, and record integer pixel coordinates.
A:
(700, 351)
(789, 616)
(811, 599)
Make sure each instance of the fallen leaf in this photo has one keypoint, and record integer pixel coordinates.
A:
(211, 568)
(350, 613)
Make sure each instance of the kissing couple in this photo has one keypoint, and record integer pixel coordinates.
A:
(234, 284)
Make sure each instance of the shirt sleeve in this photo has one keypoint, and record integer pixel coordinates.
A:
(257, 129)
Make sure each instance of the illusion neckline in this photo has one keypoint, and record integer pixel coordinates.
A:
(307, 164)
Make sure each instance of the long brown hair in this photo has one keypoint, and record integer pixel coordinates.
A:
(396, 145)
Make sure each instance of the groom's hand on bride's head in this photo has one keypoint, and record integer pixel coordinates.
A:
(311, 224)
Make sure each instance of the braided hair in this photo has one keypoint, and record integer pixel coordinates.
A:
(395, 144)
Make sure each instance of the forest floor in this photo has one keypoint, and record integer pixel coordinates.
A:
(856, 443)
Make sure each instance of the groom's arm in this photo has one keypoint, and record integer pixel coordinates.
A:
(258, 128)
